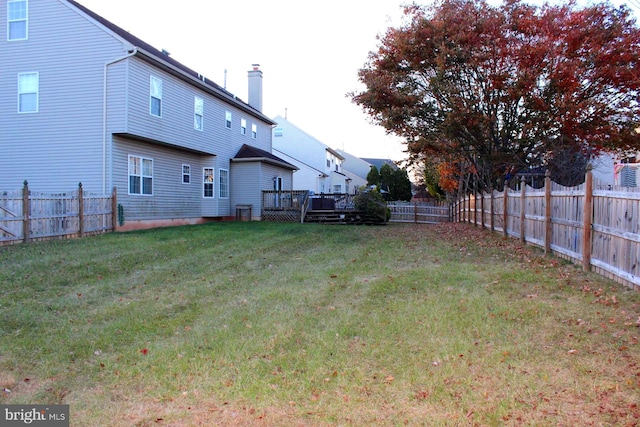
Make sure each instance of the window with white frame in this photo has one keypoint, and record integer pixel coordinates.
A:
(207, 182)
(337, 188)
(227, 119)
(224, 184)
(28, 88)
(17, 20)
(186, 174)
(243, 126)
(254, 131)
(155, 96)
(198, 113)
(140, 175)
(278, 132)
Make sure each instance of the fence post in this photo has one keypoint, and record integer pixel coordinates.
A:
(482, 194)
(80, 210)
(547, 212)
(492, 223)
(26, 211)
(475, 207)
(587, 217)
(463, 206)
(415, 211)
(505, 208)
(522, 209)
(114, 209)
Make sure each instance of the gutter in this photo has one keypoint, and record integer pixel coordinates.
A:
(265, 160)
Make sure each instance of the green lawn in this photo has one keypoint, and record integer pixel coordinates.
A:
(272, 324)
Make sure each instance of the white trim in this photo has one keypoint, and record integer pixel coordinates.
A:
(186, 174)
(26, 21)
(37, 92)
(155, 94)
(141, 175)
(198, 111)
(212, 182)
(228, 119)
(220, 183)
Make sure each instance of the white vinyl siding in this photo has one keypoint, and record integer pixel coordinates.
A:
(28, 88)
(198, 113)
(140, 176)
(207, 182)
(155, 96)
(17, 20)
(224, 184)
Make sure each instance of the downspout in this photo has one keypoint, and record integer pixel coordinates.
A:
(131, 53)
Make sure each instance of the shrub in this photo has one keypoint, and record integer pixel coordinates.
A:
(372, 205)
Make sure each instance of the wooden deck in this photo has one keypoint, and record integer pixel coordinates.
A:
(300, 206)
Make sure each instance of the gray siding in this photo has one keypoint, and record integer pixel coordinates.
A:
(251, 178)
(94, 112)
(61, 144)
(245, 187)
(171, 198)
(176, 128)
(176, 124)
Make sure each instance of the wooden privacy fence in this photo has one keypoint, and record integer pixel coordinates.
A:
(420, 212)
(27, 215)
(589, 224)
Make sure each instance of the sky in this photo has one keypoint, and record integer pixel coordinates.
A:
(309, 53)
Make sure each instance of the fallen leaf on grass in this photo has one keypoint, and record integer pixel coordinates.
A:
(572, 351)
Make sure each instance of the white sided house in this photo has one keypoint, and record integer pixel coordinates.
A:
(320, 167)
(82, 100)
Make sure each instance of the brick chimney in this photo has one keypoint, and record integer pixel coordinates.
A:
(255, 87)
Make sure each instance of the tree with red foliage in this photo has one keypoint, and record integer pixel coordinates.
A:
(500, 89)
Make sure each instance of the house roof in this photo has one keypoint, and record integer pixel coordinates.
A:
(378, 163)
(248, 153)
(281, 121)
(145, 50)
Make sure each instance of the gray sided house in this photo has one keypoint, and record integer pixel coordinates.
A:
(82, 100)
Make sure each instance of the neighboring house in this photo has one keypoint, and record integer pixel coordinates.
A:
(82, 100)
(356, 166)
(613, 171)
(320, 167)
(378, 163)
